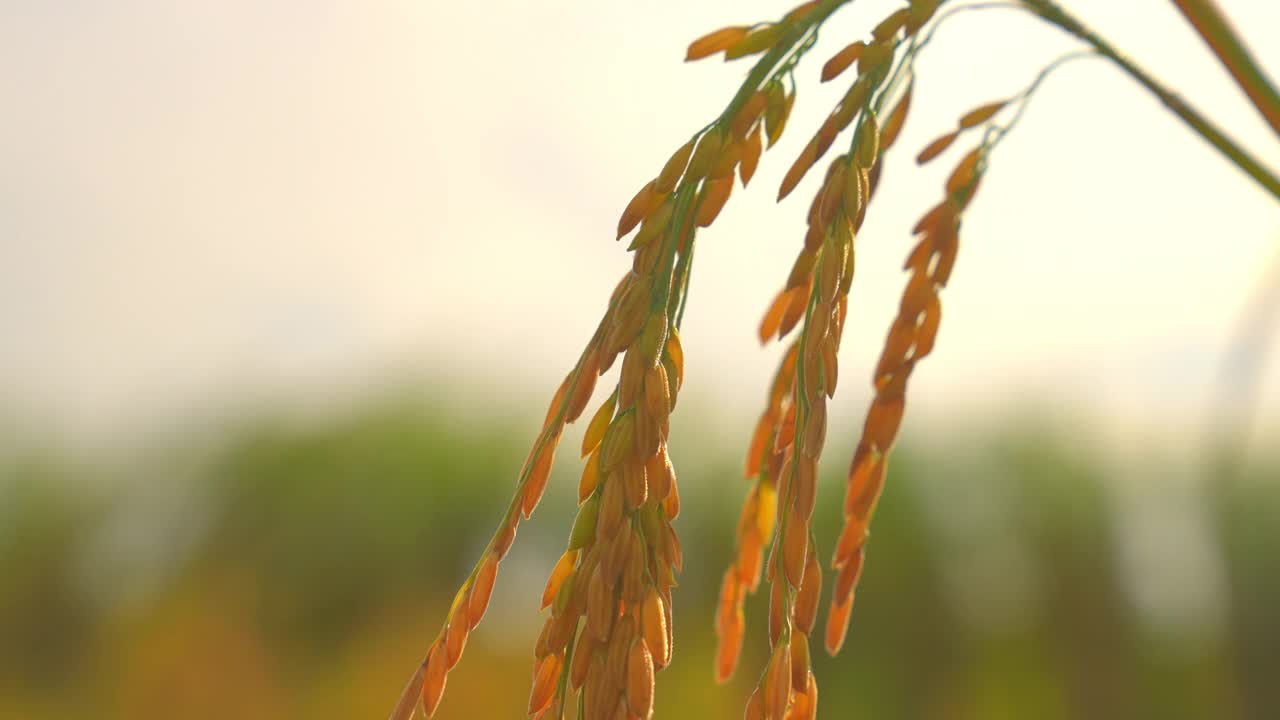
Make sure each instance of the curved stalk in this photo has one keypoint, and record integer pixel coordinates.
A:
(1216, 31)
(1052, 13)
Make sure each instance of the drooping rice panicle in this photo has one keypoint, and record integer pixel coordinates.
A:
(911, 338)
(615, 578)
(789, 438)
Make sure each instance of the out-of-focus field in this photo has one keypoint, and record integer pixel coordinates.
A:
(300, 568)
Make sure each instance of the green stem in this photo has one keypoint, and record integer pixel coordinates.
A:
(1214, 28)
(1055, 15)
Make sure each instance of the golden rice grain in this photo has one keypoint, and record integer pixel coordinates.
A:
(798, 169)
(640, 679)
(715, 42)
(865, 485)
(751, 150)
(773, 316)
(561, 625)
(537, 479)
(842, 60)
(810, 708)
(455, 639)
(596, 694)
(795, 311)
(671, 503)
(928, 331)
(981, 114)
(582, 654)
(756, 41)
(868, 140)
(595, 431)
(632, 590)
(795, 546)
(777, 684)
(563, 567)
(704, 155)
(786, 430)
(715, 193)
(749, 115)
(777, 610)
(917, 295)
(675, 553)
(504, 537)
(563, 602)
(673, 169)
(634, 485)
(850, 567)
(619, 651)
(729, 646)
(617, 441)
(648, 434)
(544, 684)
(676, 352)
(854, 101)
(584, 525)
(654, 225)
(726, 162)
(805, 487)
(644, 203)
(838, 623)
(965, 173)
(777, 111)
(599, 606)
(659, 472)
(409, 699)
(815, 430)
(830, 366)
(656, 392)
(882, 423)
(825, 136)
(759, 440)
(557, 402)
(434, 679)
(800, 12)
(800, 662)
(629, 320)
(802, 269)
(631, 379)
(897, 118)
(654, 628)
(936, 148)
(806, 609)
(482, 590)
(875, 57)
(584, 384)
(612, 501)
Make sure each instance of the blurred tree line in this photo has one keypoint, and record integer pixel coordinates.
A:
(300, 568)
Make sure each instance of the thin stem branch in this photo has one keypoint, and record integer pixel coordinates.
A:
(1216, 31)
(1052, 13)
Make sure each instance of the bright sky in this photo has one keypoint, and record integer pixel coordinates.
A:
(202, 201)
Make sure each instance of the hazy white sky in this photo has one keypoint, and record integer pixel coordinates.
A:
(200, 201)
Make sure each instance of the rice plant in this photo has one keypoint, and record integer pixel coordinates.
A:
(608, 600)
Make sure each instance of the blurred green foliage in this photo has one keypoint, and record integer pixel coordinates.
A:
(299, 569)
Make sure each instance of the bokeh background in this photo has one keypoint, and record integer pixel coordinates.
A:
(285, 287)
